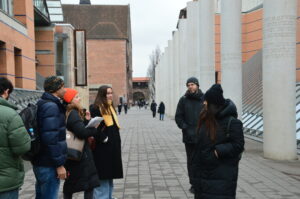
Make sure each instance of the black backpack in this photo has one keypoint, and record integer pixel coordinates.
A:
(29, 117)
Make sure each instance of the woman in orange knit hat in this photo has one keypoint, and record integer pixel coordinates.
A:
(82, 174)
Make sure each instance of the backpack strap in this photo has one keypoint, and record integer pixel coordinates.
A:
(227, 132)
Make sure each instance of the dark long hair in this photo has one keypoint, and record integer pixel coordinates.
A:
(101, 100)
(208, 118)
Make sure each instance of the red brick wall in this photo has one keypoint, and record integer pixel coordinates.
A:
(25, 78)
(107, 65)
(45, 41)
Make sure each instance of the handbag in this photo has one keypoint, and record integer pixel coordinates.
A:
(74, 146)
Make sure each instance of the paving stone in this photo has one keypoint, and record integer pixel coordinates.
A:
(154, 163)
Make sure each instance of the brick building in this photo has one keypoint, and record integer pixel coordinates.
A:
(33, 46)
(17, 42)
(141, 89)
(109, 46)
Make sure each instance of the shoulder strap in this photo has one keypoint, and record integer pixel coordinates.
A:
(228, 127)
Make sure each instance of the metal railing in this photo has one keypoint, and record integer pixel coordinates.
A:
(252, 116)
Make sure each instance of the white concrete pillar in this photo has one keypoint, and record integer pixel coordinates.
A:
(166, 79)
(176, 75)
(279, 79)
(193, 39)
(183, 66)
(171, 78)
(157, 80)
(207, 43)
(231, 55)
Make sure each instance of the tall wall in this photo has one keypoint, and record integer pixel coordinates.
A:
(17, 45)
(45, 47)
(252, 34)
(107, 65)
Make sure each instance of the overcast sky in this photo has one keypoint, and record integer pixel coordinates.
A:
(152, 23)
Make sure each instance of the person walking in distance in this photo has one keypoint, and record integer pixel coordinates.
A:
(161, 111)
(48, 165)
(120, 108)
(186, 117)
(14, 142)
(153, 108)
(125, 108)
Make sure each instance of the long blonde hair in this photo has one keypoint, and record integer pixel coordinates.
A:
(73, 106)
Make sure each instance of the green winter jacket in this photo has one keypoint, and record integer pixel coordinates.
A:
(14, 141)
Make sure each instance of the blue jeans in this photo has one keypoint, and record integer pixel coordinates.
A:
(47, 183)
(13, 194)
(161, 116)
(104, 191)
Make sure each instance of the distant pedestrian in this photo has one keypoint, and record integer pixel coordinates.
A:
(161, 111)
(14, 142)
(220, 142)
(107, 154)
(153, 108)
(125, 108)
(120, 108)
(48, 165)
(186, 117)
(83, 173)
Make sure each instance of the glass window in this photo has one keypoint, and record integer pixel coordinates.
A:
(53, 4)
(80, 58)
(56, 18)
(55, 11)
(6, 6)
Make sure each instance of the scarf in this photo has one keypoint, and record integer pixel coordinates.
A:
(108, 118)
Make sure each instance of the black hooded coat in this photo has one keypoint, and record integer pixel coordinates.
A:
(216, 178)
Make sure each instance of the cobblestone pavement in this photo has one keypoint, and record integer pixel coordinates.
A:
(154, 165)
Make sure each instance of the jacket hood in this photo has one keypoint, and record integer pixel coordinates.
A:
(4, 102)
(229, 109)
(197, 95)
(50, 97)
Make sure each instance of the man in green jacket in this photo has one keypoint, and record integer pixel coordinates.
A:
(14, 141)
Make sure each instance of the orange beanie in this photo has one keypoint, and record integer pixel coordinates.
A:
(70, 94)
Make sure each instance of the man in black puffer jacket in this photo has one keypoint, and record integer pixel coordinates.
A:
(48, 165)
(187, 115)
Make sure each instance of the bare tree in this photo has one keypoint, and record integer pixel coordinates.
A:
(154, 60)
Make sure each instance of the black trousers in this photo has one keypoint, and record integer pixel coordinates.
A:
(189, 148)
(154, 113)
(87, 195)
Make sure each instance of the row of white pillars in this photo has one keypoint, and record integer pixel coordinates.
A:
(191, 52)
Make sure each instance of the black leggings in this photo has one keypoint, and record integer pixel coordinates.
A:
(87, 195)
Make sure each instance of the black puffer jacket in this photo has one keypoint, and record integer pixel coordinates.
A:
(52, 125)
(82, 174)
(187, 115)
(216, 178)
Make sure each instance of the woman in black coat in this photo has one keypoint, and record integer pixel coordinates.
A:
(82, 175)
(161, 111)
(220, 144)
(107, 153)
